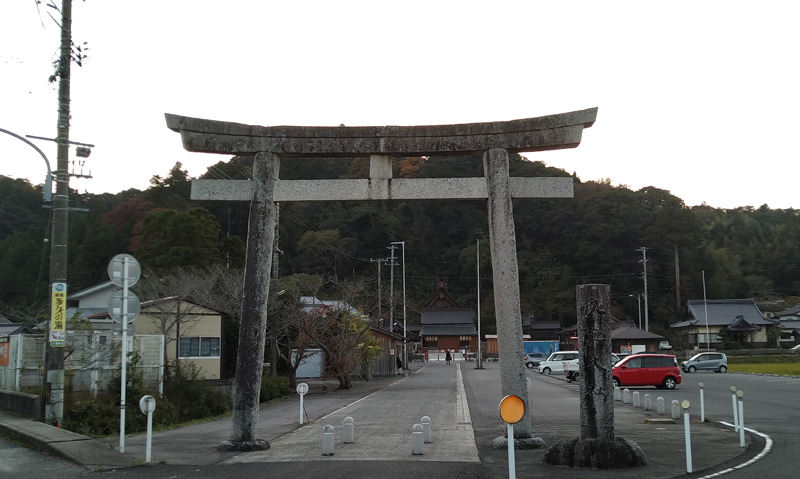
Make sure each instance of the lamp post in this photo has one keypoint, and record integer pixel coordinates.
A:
(47, 190)
(405, 333)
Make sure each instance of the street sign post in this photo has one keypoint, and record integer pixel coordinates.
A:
(147, 405)
(124, 271)
(302, 389)
(512, 410)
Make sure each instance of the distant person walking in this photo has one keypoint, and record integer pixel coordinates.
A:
(399, 366)
(447, 357)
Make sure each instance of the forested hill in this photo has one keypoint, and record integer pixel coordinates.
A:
(596, 237)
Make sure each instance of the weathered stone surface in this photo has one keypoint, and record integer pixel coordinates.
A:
(381, 189)
(505, 275)
(519, 443)
(243, 446)
(594, 340)
(595, 454)
(532, 134)
(252, 335)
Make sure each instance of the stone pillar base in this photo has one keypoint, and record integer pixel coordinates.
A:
(614, 453)
(243, 446)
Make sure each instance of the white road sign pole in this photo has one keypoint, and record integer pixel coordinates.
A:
(124, 271)
(302, 389)
(147, 405)
(124, 371)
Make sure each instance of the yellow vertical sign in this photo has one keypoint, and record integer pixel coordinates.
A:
(58, 318)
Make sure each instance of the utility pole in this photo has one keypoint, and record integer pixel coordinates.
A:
(391, 288)
(380, 298)
(273, 329)
(54, 362)
(677, 279)
(643, 249)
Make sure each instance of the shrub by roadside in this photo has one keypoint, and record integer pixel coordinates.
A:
(185, 398)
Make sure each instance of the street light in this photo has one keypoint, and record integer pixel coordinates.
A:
(47, 190)
(405, 332)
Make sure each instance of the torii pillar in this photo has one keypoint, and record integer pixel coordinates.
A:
(271, 144)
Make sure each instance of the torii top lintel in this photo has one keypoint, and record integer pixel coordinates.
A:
(550, 132)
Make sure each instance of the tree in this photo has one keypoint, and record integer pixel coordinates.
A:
(323, 250)
(172, 190)
(339, 331)
(171, 238)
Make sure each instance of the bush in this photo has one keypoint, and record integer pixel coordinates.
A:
(94, 418)
(732, 346)
(186, 398)
(274, 388)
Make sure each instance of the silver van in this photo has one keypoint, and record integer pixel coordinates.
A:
(717, 362)
(555, 363)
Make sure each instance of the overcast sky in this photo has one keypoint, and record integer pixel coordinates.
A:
(696, 97)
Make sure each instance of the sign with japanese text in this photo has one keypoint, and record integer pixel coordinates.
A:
(58, 315)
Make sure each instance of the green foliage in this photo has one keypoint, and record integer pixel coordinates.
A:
(744, 252)
(274, 388)
(779, 368)
(173, 238)
(186, 398)
(731, 346)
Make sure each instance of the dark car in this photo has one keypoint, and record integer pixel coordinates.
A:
(659, 370)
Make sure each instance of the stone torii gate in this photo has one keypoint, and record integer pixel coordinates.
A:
(271, 144)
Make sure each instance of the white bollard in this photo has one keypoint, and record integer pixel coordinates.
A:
(416, 440)
(349, 430)
(636, 401)
(740, 395)
(660, 408)
(676, 409)
(702, 404)
(687, 435)
(735, 409)
(626, 396)
(327, 440)
(426, 429)
(617, 394)
(648, 402)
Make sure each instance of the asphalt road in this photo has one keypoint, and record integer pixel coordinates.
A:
(17, 461)
(771, 407)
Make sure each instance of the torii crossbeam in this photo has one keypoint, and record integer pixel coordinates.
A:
(270, 144)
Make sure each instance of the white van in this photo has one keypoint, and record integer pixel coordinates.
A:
(555, 363)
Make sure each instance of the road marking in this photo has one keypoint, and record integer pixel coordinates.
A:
(758, 457)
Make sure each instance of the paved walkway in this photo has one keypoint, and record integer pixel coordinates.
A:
(383, 422)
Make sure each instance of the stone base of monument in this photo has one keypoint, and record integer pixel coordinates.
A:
(519, 443)
(243, 446)
(616, 453)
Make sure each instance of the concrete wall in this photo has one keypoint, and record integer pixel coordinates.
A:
(28, 405)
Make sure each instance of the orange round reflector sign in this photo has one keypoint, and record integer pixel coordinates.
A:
(512, 409)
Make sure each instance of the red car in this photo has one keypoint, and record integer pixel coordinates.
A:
(659, 370)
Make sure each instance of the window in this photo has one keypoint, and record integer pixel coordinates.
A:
(198, 347)
(634, 363)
